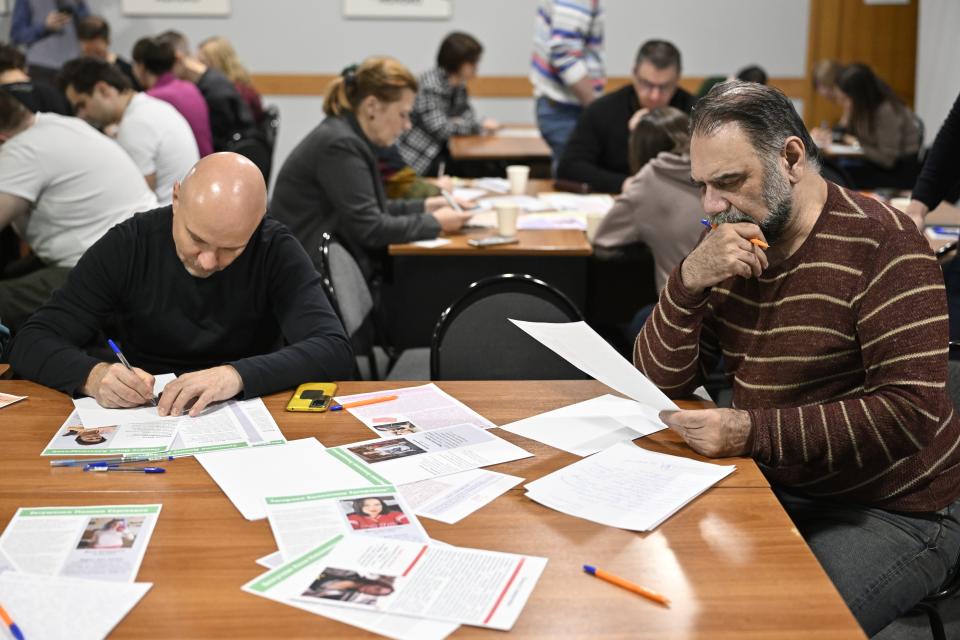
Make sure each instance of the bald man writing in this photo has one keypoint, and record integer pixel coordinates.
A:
(206, 288)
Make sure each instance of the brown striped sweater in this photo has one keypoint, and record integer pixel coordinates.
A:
(839, 354)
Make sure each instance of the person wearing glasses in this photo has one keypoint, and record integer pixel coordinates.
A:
(596, 152)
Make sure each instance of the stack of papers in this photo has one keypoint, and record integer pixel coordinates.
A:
(67, 608)
(68, 572)
(140, 431)
(587, 427)
(526, 203)
(421, 408)
(590, 203)
(420, 580)
(6, 399)
(626, 487)
(495, 185)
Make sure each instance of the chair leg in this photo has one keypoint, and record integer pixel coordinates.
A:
(936, 622)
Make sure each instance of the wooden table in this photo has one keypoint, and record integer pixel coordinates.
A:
(731, 561)
(434, 278)
(497, 147)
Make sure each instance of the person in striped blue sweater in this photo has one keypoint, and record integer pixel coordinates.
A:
(567, 70)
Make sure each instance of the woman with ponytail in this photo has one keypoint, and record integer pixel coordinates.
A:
(331, 181)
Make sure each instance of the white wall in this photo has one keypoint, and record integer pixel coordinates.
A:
(938, 62)
(311, 36)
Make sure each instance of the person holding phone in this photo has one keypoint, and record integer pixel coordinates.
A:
(48, 30)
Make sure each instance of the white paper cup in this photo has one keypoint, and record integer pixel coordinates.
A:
(593, 223)
(900, 204)
(518, 174)
(507, 215)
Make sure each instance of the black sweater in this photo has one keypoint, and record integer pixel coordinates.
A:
(940, 178)
(596, 152)
(169, 321)
(331, 182)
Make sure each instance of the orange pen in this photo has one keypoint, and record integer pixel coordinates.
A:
(361, 403)
(626, 584)
(756, 241)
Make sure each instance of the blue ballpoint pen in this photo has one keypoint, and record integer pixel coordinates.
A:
(126, 363)
(129, 470)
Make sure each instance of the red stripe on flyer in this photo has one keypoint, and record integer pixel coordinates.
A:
(415, 561)
(504, 592)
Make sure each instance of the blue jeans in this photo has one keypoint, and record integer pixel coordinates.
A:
(556, 121)
(882, 562)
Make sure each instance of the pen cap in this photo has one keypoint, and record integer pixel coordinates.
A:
(591, 570)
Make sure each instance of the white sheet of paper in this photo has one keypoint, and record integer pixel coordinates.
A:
(583, 347)
(590, 426)
(93, 415)
(271, 560)
(298, 467)
(526, 203)
(590, 203)
(385, 624)
(58, 608)
(101, 542)
(298, 522)
(496, 185)
(7, 399)
(517, 132)
(452, 498)
(626, 487)
(468, 193)
(430, 454)
(6, 564)
(432, 244)
(427, 406)
(139, 439)
(471, 586)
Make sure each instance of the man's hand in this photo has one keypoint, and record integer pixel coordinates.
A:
(917, 212)
(715, 433)
(725, 252)
(635, 118)
(451, 220)
(115, 387)
(490, 125)
(56, 21)
(209, 385)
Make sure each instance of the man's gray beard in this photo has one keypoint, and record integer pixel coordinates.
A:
(778, 199)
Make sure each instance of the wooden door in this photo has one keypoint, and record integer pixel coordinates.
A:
(883, 36)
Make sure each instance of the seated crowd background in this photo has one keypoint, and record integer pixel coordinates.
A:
(170, 242)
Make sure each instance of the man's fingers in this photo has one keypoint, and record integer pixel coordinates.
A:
(205, 399)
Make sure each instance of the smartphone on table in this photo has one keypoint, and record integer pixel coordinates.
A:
(312, 396)
(492, 241)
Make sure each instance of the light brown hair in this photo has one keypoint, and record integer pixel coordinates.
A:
(381, 77)
(221, 55)
(662, 129)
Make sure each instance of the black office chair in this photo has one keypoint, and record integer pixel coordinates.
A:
(350, 296)
(475, 340)
(952, 586)
(258, 143)
(352, 300)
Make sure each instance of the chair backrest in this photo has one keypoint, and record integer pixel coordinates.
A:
(271, 125)
(349, 293)
(475, 340)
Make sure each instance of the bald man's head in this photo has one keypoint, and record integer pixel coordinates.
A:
(216, 208)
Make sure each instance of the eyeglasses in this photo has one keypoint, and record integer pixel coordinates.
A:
(649, 87)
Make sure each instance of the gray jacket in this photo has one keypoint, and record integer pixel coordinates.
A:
(331, 183)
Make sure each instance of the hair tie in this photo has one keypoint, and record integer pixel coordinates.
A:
(349, 75)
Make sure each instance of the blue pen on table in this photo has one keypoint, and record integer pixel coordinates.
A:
(114, 461)
(128, 469)
(126, 363)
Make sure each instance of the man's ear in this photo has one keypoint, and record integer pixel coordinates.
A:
(796, 155)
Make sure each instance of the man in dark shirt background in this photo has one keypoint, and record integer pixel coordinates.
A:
(230, 117)
(596, 152)
(206, 288)
(35, 96)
